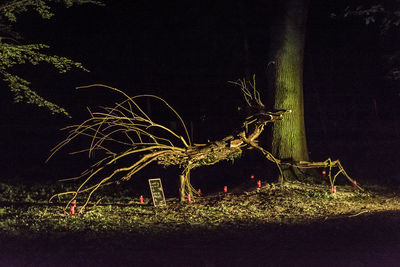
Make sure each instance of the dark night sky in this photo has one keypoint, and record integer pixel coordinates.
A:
(186, 51)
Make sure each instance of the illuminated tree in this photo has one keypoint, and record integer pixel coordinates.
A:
(13, 52)
(289, 136)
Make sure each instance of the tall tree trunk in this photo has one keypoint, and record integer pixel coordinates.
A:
(289, 135)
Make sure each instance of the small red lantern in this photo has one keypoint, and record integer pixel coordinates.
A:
(323, 172)
(252, 176)
(188, 197)
(72, 210)
(74, 203)
(334, 189)
(199, 191)
(259, 184)
(225, 189)
(141, 199)
(355, 184)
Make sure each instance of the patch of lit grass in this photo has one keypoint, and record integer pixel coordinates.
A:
(25, 210)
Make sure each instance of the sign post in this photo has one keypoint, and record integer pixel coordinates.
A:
(157, 192)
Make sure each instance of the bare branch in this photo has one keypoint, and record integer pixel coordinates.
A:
(129, 128)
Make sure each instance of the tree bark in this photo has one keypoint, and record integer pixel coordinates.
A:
(289, 135)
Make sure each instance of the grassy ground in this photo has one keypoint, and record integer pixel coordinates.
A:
(293, 224)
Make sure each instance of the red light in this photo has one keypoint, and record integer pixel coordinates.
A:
(199, 191)
(252, 176)
(225, 189)
(259, 184)
(334, 189)
(74, 203)
(323, 172)
(141, 199)
(354, 184)
(188, 197)
(72, 210)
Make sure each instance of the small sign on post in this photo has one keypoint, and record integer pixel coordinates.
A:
(157, 192)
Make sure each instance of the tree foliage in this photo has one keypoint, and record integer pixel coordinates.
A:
(13, 52)
(385, 14)
(10, 9)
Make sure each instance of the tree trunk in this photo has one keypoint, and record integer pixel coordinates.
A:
(289, 135)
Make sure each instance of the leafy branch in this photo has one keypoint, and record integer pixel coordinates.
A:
(13, 53)
(10, 9)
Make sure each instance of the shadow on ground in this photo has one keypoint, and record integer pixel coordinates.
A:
(364, 240)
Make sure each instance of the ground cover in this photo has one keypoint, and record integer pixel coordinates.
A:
(274, 224)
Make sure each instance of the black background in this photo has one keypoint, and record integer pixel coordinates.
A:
(185, 52)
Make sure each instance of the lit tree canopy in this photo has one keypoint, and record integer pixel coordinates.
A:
(14, 52)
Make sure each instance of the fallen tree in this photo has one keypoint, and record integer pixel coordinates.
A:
(125, 130)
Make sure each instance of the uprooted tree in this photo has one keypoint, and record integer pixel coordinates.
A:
(125, 133)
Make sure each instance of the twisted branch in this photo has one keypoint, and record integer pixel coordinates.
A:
(125, 131)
